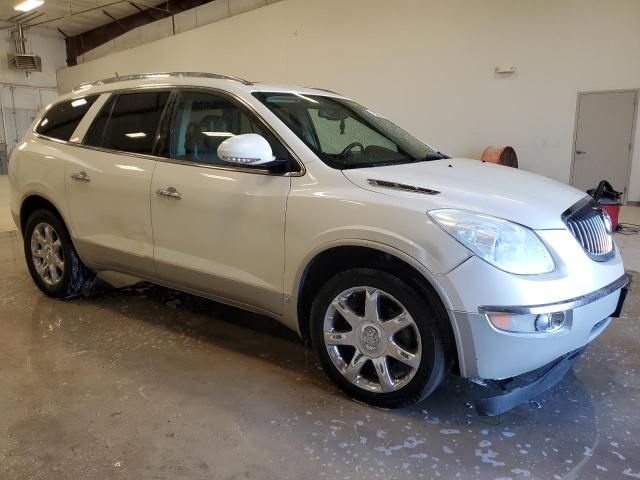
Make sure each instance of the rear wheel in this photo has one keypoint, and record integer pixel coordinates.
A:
(378, 339)
(51, 258)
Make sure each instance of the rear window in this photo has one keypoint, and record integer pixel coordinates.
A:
(128, 122)
(62, 119)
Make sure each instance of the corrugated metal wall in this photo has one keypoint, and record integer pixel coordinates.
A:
(18, 107)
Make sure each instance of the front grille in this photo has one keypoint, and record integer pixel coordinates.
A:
(586, 221)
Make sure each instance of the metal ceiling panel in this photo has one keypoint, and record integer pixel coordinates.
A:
(62, 14)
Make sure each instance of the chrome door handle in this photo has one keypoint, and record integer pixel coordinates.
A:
(169, 192)
(81, 176)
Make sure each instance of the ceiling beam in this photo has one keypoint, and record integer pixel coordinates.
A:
(86, 41)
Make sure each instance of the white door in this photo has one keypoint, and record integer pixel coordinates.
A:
(218, 230)
(604, 136)
(108, 183)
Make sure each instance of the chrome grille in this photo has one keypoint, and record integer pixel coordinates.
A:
(586, 221)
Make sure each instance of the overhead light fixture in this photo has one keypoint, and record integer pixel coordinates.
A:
(136, 135)
(28, 5)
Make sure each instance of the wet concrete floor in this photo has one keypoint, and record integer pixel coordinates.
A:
(148, 383)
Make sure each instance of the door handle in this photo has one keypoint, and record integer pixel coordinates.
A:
(169, 192)
(81, 176)
(580, 152)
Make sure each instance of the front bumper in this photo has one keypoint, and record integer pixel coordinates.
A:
(490, 353)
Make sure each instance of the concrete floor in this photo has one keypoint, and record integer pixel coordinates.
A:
(147, 383)
(6, 222)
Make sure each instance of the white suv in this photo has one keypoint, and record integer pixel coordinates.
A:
(398, 263)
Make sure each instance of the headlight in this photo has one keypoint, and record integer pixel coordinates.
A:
(504, 244)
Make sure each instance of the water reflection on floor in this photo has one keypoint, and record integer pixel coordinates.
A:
(145, 382)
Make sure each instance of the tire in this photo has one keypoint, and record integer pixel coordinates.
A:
(69, 276)
(359, 359)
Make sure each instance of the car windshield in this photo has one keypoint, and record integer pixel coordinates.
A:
(345, 134)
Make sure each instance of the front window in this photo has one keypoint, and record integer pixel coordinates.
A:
(204, 120)
(345, 134)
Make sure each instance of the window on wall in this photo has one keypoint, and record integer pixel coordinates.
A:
(62, 119)
(129, 122)
(202, 121)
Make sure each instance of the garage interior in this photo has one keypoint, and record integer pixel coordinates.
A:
(138, 381)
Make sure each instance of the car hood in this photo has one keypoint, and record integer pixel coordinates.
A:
(516, 195)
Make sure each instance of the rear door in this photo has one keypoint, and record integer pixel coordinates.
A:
(108, 182)
(219, 229)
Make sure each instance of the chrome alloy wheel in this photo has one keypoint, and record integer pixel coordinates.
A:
(372, 339)
(47, 254)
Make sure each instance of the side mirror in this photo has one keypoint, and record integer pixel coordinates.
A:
(247, 149)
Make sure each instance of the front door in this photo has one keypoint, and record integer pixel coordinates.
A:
(217, 229)
(108, 183)
(604, 136)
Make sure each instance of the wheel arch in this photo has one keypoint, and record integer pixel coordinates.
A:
(32, 202)
(333, 259)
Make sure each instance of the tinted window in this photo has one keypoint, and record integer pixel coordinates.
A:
(202, 121)
(128, 122)
(61, 120)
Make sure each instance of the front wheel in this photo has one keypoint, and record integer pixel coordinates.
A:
(51, 258)
(378, 339)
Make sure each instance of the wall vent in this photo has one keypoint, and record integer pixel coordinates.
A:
(24, 62)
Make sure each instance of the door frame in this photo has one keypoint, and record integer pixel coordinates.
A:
(633, 134)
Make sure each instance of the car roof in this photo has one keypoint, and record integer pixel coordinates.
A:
(185, 79)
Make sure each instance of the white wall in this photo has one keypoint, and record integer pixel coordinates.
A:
(20, 96)
(427, 64)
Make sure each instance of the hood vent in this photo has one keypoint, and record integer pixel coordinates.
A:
(401, 186)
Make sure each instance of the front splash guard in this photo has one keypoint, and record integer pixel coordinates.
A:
(550, 376)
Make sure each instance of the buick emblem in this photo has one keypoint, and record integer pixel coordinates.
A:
(370, 338)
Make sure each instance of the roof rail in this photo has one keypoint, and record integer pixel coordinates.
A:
(147, 76)
(324, 90)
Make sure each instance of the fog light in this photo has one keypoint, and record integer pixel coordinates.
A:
(550, 322)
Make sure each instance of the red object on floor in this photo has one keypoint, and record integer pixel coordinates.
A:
(614, 212)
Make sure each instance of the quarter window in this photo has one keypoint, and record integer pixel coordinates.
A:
(128, 122)
(62, 119)
(202, 121)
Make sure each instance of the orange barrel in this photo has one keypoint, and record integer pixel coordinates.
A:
(500, 155)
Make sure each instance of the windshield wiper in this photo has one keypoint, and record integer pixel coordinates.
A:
(435, 156)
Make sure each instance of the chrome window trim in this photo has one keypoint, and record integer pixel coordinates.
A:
(570, 304)
(236, 97)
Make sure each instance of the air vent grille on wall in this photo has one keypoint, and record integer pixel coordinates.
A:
(24, 62)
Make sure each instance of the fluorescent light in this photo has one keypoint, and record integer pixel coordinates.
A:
(218, 134)
(79, 102)
(136, 135)
(28, 5)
